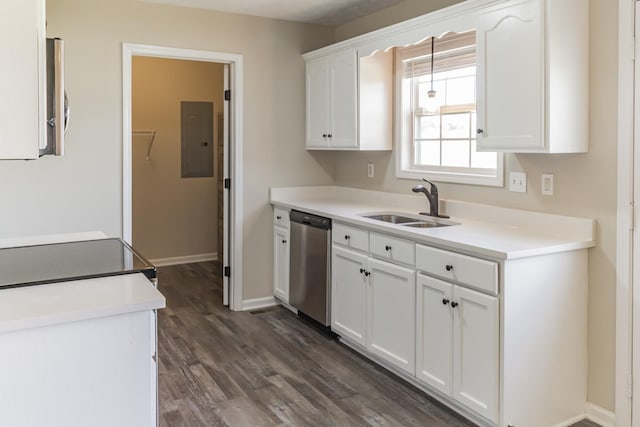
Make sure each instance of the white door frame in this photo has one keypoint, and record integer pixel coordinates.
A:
(626, 280)
(235, 62)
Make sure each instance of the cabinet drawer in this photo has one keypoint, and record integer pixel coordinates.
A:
(281, 217)
(475, 272)
(351, 237)
(392, 248)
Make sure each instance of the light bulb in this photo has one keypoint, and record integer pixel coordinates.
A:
(432, 104)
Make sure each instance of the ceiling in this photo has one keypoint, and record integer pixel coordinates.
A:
(323, 12)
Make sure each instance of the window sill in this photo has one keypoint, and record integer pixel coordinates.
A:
(456, 178)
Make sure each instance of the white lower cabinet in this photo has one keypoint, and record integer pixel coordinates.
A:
(77, 373)
(281, 252)
(434, 333)
(373, 305)
(391, 313)
(281, 263)
(457, 343)
(502, 342)
(349, 294)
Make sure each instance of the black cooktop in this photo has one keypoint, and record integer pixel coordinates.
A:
(58, 262)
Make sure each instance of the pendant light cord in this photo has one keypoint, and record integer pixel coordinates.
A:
(432, 51)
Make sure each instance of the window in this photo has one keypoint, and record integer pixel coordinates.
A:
(438, 130)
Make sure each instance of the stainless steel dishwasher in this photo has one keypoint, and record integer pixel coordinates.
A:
(310, 266)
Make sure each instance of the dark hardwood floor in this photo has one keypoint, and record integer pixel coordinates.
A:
(268, 368)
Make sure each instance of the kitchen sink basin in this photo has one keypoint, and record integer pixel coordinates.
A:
(407, 221)
(392, 218)
(426, 224)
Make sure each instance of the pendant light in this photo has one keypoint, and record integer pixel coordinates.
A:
(432, 106)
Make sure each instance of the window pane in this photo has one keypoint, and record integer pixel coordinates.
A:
(473, 125)
(441, 140)
(427, 153)
(455, 153)
(428, 127)
(487, 160)
(461, 90)
(456, 126)
(423, 88)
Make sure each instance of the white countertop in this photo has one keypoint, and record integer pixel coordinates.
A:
(483, 230)
(54, 303)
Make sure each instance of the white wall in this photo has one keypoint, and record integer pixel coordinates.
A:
(172, 216)
(585, 184)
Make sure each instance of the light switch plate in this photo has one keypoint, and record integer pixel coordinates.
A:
(370, 170)
(518, 182)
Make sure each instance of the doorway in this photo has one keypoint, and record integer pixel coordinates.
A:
(177, 159)
(230, 131)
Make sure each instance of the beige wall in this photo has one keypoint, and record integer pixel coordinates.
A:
(585, 184)
(172, 216)
(89, 177)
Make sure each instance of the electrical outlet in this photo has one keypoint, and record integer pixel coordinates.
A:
(547, 184)
(370, 171)
(518, 182)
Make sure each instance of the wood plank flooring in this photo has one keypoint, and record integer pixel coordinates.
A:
(268, 368)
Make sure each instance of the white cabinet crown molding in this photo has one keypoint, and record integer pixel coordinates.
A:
(458, 17)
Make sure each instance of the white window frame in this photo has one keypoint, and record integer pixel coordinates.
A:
(404, 134)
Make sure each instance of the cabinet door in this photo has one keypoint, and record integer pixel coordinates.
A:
(317, 103)
(475, 351)
(343, 111)
(434, 331)
(391, 314)
(349, 294)
(22, 84)
(510, 78)
(281, 263)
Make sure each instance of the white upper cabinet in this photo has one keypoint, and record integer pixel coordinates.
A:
(22, 104)
(532, 70)
(532, 77)
(318, 103)
(348, 104)
(332, 101)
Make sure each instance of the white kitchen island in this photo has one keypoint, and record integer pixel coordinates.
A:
(79, 353)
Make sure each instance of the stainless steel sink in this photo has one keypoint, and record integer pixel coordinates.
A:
(426, 224)
(408, 221)
(392, 218)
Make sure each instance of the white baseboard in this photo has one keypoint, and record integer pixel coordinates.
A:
(256, 303)
(161, 262)
(600, 415)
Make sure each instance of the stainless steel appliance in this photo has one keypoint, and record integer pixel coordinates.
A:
(310, 266)
(57, 103)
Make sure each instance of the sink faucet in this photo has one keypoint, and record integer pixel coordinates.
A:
(432, 196)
